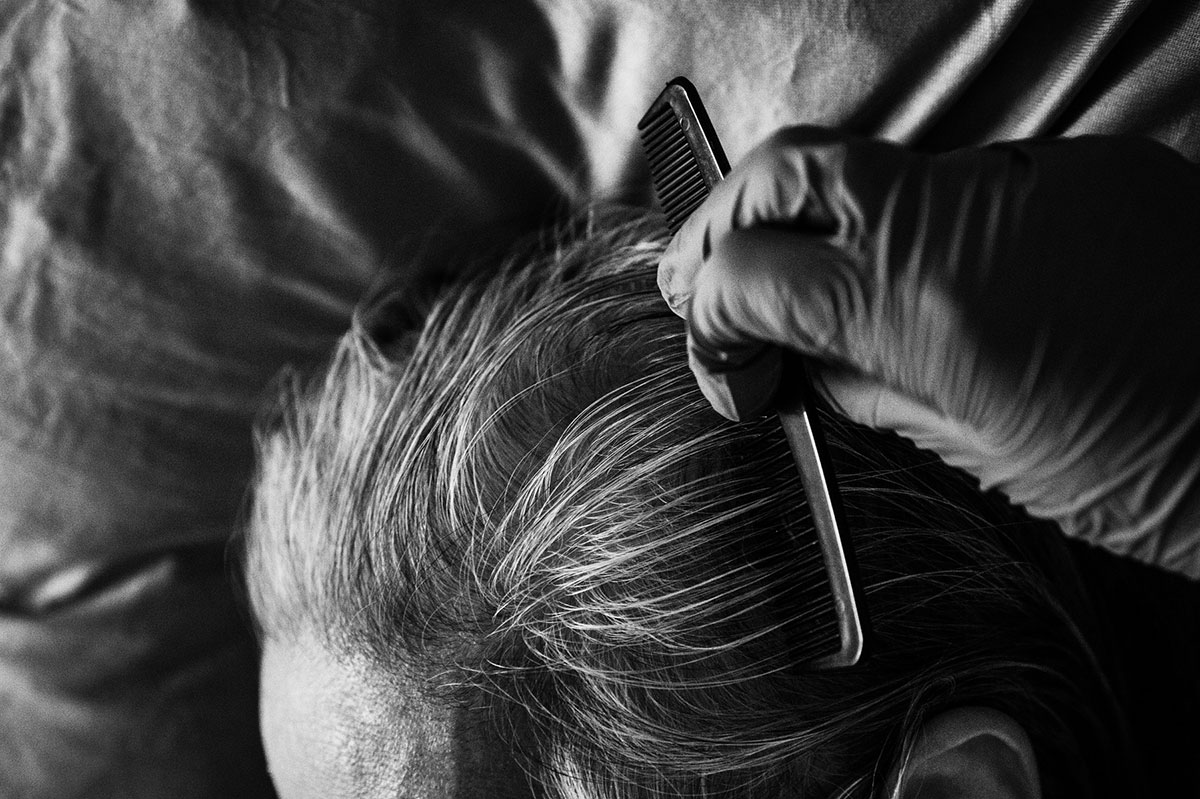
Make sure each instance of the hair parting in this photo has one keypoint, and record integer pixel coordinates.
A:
(525, 498)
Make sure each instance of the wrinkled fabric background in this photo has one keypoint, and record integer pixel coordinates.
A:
(194, 193)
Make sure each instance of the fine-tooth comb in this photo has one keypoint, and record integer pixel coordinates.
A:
(686, 162)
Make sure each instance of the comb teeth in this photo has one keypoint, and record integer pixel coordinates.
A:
(685, 159)
(678, 181)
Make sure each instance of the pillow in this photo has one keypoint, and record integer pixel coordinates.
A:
(195, 194)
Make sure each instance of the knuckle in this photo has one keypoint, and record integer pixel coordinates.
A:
(785, 179)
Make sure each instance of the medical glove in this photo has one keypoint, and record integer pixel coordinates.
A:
(1030, 311)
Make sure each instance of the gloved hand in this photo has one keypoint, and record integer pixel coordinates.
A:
(1029, 311)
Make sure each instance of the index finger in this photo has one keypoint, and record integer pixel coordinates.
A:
(782, 181)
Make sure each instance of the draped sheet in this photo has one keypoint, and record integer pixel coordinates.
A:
(193, 194)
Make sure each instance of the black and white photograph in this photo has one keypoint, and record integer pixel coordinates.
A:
(599, 399)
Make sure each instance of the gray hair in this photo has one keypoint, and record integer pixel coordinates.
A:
(525, 497)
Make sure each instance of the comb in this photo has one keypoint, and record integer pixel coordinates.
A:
(686, 162)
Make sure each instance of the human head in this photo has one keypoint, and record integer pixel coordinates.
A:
(515, 538)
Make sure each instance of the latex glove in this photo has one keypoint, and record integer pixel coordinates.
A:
(1029, 311)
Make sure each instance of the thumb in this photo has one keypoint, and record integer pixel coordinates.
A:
(764, 286)
(763, 289)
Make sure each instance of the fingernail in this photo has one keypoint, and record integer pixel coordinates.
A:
(667, 274)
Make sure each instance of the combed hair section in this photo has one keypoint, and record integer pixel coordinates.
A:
(525, 498)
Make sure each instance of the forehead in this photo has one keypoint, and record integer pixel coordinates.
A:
(334, 727)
